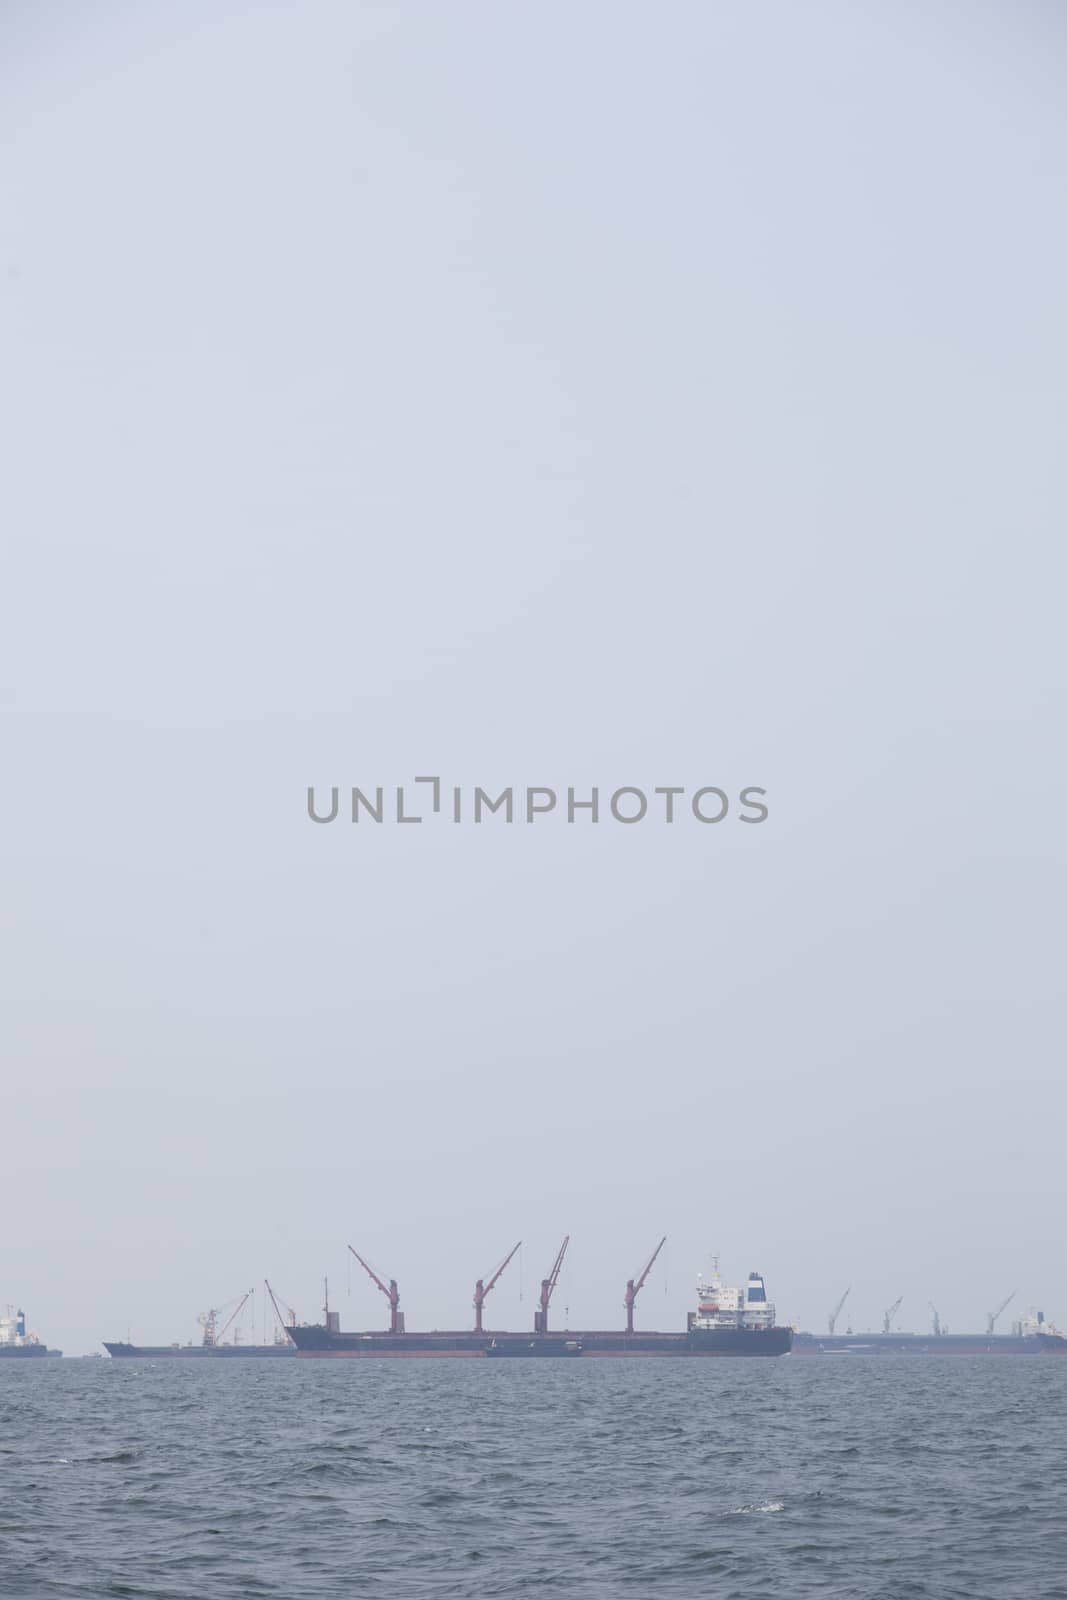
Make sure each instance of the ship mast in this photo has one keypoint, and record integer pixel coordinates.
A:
(289, 1320)
(209, 1319)
(634, 1289)
(887, 1316)
(547, 1286)
(392, 1293)
(831, 1320)
(235, 1313)
(481, 1289)
(991, 1316)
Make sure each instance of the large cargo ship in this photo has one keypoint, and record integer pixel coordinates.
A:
(1030, 1336)
(213, 1344)
(727, 1322)
(16, 1343)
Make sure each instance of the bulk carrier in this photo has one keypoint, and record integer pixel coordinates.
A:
(727, 1322)
(1031, 1335)
(16, 1343)
(213, 1343)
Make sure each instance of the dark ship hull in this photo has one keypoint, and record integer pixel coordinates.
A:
(917, 1344)
(320, 1341)
(22, 1352)
(199, 1352)
(544, 1345)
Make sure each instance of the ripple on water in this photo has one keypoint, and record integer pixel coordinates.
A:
(589, 1480)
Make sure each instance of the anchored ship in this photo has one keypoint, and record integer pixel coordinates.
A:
(213, 1343)
(727, 1322)
(15, 1342)
(1031, 1335)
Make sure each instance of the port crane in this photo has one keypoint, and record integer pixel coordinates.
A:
(209, 1320)
(939, 1329)
(392, 1294)
(831, 1320)
(481, 1288)
(289, 1319)
(634, 1289)
(887, 1317)
(991, 1316)
(547, 1286)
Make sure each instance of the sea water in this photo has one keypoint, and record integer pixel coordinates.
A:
(318, 1480)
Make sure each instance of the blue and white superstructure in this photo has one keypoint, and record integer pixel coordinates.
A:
(14, 1339)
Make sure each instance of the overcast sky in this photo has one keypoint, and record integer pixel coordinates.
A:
(533, 394)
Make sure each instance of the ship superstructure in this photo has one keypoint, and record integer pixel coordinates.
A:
(15, 1341)
(720, 1306)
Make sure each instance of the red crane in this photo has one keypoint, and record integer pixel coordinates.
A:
(634, 1289)
(547, 1286)
(481, 1289)
(392, 1294)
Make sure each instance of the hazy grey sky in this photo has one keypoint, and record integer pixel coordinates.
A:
(536, 394)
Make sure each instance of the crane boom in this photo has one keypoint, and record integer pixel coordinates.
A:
(547, 1286)
(481, 1288)
(289, 1319)
(392, 1293)
(634, 1289)
(887, 1319)
(836, 1312)
(209, 1320)
(234, 1314)
(991, 1316)
(938, 1328)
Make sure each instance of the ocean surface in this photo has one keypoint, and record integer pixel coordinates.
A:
(873, 1477)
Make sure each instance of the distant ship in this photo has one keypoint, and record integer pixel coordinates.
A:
(15, 1342)
(213, 1344)
(727, 1322)
(1030, 1336)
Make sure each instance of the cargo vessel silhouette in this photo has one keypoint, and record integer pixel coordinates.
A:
(727, 1322)
(213, 1344)
(1031, 1335)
